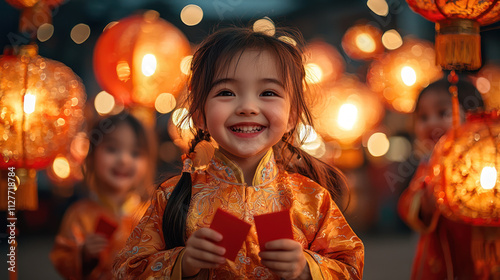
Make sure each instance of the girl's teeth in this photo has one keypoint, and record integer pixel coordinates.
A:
(246, 129)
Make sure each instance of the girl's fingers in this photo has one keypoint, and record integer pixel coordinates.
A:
(283, 256)
(283, 245)
(204, 256)
(208, 233)
(202, 244)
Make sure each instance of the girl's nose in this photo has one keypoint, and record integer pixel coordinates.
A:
(125, 158)
(247, 106)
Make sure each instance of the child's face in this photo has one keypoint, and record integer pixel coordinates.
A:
(247, 109)
(433, 116)
(119, 163)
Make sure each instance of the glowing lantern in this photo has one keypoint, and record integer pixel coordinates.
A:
(34, 13)
(139, 58)
(458, 44)
(363, 41)
(182, 136)
(464, 168)
(487, 82)
(401, 74)
(347, 110)
(323, 63)
(41, 103)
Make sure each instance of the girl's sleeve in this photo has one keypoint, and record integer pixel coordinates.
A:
(410, 204)
(144, 255)
(335, 252)
(66, 255)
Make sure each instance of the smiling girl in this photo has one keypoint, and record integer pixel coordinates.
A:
(246, 97)
(118, 170)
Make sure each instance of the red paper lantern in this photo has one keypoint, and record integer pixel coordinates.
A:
(458, 44)
(139, 58)
(464, 171)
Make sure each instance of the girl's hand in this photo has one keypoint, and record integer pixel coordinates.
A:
(201, 252)
(93, 245)
(285, 258)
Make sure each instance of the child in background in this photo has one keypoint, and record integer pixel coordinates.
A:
(118, 169)
(444, 248)
(247, 97)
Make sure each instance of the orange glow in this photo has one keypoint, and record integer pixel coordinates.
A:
(488, 84)
(363, 41)
(465, 180)
(345, 110)
(400, 75)
(323, 63)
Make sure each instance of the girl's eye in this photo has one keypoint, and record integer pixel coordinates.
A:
(269, 93)
(225, 93)
(111, 149)
(422, 118)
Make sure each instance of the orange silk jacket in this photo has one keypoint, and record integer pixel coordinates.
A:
(79, 221)
(331, 248)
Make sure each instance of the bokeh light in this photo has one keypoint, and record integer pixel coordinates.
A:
(104, 103)
(378, 144)
(80, 33)
(379, 7)
(165, 103)
(61, 167)
(44, 32)
(191, 15)
(264, 25)
(392, 40)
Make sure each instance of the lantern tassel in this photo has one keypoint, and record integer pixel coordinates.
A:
(26, 194)
(458, 45)
(485, 252)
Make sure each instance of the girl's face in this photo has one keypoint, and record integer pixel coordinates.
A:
(433, 116)
(248, 110)
(119, 163)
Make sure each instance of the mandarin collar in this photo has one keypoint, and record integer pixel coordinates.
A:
(225, 169)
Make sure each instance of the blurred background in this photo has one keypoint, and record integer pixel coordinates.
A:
(371, 58)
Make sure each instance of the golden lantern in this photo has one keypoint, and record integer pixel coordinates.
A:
(363, 41)
(41, 103)
(487, 82)
(323, 63)
(464, 171)
(347, 109)
(140, 58)
(400, 75)
(458, 44)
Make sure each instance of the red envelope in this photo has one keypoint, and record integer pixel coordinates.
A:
(273, 226)
(233, 230)
(106, 226)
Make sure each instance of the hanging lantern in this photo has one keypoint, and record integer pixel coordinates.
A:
(139, 58)
(458, 44)
(464, 167)
(34, 13)
(363, 41)
(323, 63)
(487, 82)
(348, 108)
(400, 75)
(41, 103)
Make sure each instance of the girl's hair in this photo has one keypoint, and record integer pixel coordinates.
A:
(469, 97)
(97, 134)
(214, 55)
